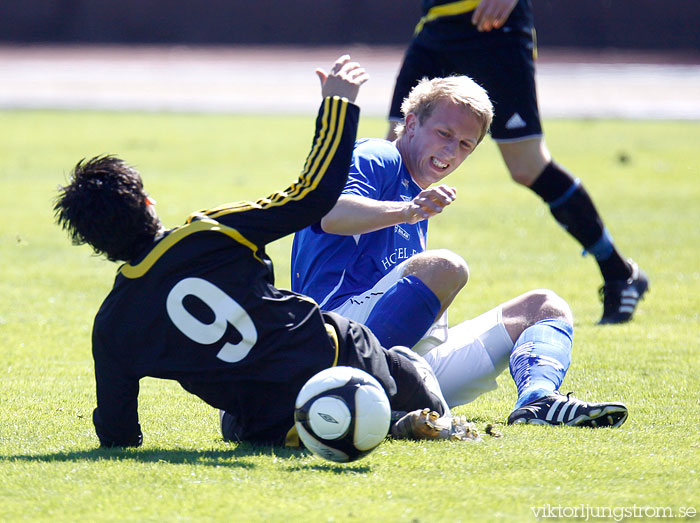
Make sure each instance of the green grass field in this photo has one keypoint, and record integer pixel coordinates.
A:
(644, 179)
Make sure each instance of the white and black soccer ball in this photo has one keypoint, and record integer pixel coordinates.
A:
(342, 414)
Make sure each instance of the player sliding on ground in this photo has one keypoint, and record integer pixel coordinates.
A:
(367, 260)
(197, 304)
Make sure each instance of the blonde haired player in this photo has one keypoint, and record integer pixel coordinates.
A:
(367, 260)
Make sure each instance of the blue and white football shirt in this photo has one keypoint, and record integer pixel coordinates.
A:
(330, 268)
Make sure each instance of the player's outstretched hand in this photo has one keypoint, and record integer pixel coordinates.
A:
(344, 79)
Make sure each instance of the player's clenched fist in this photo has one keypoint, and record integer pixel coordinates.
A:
(430, 202)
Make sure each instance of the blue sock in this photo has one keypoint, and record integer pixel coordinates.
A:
(405, 313)
(540, 358)
(603, 248)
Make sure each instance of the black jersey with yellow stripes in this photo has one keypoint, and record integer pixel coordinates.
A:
(200, 305)
(446, 24)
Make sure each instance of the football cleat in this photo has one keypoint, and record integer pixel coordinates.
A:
(427, 424)
(426, 372)
(620, 297)
(557, 409)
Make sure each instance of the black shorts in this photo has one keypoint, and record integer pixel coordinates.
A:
(506, 71)
(359, 348)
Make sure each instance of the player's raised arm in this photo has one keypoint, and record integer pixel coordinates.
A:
(324, 173)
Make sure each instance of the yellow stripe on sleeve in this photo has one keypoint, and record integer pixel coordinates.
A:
(329, 136)
(321, 136)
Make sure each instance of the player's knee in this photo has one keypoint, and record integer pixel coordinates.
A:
(525, 159)
(544, 304)
(450, 266)
(455, 266)
(442, 270)
(523, 175)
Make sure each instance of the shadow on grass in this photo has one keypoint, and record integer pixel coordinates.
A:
(213, 458)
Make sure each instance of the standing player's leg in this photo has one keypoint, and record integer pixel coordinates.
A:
(518, 132)
(531, 165)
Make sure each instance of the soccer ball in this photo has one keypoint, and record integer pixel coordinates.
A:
(342, 414)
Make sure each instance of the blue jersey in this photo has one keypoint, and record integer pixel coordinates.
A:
(329, 267)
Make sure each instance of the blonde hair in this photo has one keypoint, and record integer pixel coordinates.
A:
(460, 90)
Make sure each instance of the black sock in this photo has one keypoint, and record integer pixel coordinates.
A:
(572, 207)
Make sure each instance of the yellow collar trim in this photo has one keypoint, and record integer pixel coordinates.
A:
(178, 234)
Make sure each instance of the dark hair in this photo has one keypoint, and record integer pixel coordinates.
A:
(104, 205)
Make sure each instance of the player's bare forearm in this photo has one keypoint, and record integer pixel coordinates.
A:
(354, 214)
